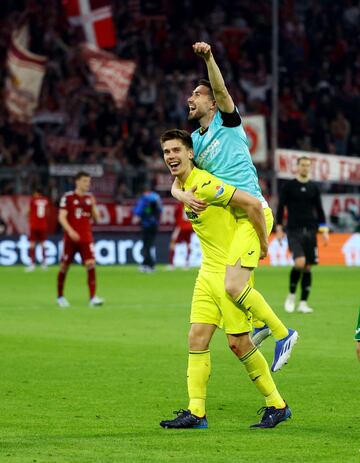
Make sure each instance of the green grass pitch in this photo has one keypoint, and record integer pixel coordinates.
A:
(83, 385)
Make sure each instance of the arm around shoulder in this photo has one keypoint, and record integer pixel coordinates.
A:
(176, 190)
(188, 197)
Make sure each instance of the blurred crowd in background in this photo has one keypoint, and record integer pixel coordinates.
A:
(319, 91)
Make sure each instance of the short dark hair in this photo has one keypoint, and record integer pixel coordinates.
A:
(177, 134)
(207, 84)
(80, 174)
(302, 158)
(38, 189)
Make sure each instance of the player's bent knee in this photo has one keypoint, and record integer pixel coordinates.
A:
(240, 345)
(236, 279)
(234, 347)
(198, 344)
(234, 288)
(198, 340)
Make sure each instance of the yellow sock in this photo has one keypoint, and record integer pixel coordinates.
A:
(198, 374)
(252, 301)
(259, 373)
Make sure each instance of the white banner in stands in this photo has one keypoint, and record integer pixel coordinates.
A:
(25, 73)
(112, 75)
(325, 167)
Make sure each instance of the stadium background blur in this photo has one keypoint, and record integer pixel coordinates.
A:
(318, 101)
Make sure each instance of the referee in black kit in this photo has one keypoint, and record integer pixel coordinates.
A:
(305, 217)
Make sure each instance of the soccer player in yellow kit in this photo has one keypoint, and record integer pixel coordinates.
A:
(211, 306)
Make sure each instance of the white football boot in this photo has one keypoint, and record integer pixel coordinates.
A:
(304, 308)
(96, 301)
(289, 304)
(62, 302)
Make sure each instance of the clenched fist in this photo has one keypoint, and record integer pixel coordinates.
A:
(202, 49)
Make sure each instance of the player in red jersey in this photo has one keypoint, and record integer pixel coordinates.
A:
(77, 211)
(181, 234)
(38, 218)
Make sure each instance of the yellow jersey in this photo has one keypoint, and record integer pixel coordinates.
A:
(215, 226)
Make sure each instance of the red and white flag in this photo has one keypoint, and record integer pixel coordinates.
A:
(96, 20)
(113, 75)
(25, 75)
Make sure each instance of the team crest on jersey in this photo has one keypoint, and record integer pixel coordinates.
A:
(219, 190)
(88, 201)
(76, 201)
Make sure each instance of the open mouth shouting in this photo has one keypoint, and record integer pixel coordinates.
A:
(192, 109)
(173, 166)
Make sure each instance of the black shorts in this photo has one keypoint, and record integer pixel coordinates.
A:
(303, 243)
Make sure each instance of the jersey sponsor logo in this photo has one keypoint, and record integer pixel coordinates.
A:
(210, 152)
(108, 251)
(219, 190)
(204, 184)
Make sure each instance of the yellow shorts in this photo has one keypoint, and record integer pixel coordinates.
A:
(245, 244)
(211, 305)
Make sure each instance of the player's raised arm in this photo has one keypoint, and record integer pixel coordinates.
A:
(223, 99)
(253, 207)
(66, 226)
